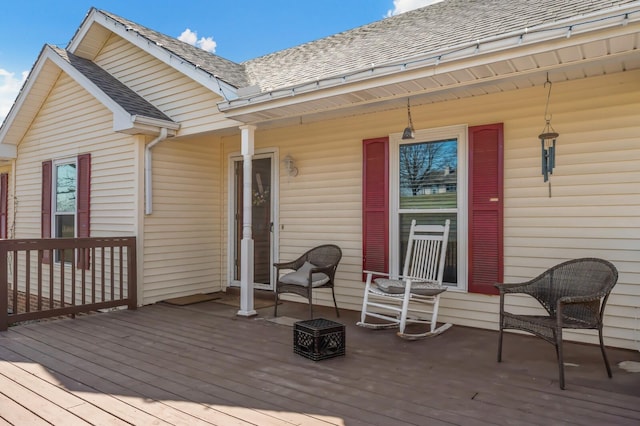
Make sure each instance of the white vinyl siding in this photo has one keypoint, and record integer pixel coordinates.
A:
(593, 210)
(87, 129)
(72, 122)
(182, 237)
(182, 99)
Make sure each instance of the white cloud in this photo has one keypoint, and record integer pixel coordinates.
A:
(401, 6)
(204, 43)
(207, 44)
(188, 36)
(9, 88)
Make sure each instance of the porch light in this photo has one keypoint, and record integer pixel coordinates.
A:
(289, 166)
(548, 141)
(408, 132)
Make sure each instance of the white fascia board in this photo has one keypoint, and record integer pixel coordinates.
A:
(510, 45)
(210, 81)
(135, 124)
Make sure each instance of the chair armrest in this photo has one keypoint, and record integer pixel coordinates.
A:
(328, 269)
(580, 299)
(294, 264)
(382, 274)
(512, 287)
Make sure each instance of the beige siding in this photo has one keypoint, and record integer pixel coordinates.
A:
(175, 94)
(182, 245)
(594, 209)
(72, 122)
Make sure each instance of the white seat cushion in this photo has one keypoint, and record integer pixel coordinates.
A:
(397, 287)
(301, 277)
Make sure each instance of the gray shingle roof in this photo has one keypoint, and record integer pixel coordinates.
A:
(133, 103)
(228, 71)
(418, 32)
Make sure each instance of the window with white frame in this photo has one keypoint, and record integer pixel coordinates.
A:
(426, 184)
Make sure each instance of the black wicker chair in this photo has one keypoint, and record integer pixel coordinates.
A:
(574, 293)
(313, 270)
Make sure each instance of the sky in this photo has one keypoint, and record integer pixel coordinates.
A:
(237, 30)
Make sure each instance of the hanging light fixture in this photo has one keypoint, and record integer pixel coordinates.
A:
(548, 141)
(408, 132)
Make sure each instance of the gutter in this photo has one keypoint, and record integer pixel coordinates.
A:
(148, 188)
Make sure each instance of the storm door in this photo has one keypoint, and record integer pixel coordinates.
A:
(262, 218)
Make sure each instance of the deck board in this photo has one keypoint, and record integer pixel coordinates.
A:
(201, 364)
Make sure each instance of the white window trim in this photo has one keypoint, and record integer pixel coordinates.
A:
(458, 132)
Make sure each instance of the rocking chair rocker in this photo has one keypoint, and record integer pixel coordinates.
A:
(389, 298)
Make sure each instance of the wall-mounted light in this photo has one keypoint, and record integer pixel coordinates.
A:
(408, 132)
(289, 166)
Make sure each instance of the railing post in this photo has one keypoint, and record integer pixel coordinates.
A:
(132, 275)
(4, 290)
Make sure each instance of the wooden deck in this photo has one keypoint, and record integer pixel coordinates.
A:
(201, 364)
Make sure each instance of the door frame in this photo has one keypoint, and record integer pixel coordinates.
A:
(275, 213)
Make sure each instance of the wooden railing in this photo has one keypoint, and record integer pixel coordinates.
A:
(38, 280)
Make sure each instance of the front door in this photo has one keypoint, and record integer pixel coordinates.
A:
(262, 218)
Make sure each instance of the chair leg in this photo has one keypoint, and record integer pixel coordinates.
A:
(500, 342)
(310, 305)
(560, 357)
(275, 309)
(434, 314)
(604, 354)
(333, 293)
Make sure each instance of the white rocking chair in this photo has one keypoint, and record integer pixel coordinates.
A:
(389, 299)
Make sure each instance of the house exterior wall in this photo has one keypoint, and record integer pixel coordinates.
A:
(175, 94)
(182, 237)
(73, 122)
(593, 211)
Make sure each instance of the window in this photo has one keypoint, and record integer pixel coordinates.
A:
(64, 190)
(450, 173)
(425, 175)
(65, 203)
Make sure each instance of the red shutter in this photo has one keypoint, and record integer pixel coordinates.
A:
(4, 204)
(375, 205)
(83, 211)
(46, 205)
(485, 207)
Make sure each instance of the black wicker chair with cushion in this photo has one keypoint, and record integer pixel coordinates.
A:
(574, 294)
(313, 270)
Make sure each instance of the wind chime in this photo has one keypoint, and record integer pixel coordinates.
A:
(548, 141)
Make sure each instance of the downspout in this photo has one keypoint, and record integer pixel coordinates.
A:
(148, 190)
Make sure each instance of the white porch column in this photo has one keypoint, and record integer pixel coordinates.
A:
(246, 245)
